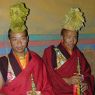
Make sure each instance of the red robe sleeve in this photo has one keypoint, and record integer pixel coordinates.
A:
(59, 86)
(85, 70)
(40, 77)
(22, 83)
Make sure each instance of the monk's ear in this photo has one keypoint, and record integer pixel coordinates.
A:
(27, 38)
(61, 39)
(9, 41)
(61, 36)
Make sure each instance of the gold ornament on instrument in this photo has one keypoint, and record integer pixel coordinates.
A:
(77, 87)
(33, 88)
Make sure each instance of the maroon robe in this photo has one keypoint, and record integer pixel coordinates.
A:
(22, 83)
(60, 87)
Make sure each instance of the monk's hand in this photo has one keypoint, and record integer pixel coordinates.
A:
(32, 93)
(38, 93)
(75, 79)
(84, 87)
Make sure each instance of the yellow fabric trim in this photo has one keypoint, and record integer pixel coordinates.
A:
(23, 62)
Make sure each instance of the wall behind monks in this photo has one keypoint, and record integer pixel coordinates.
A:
(45, 22)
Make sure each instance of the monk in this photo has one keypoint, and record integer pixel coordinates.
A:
(20, 66)
(68, 70)
(61, 62)
(22, 72)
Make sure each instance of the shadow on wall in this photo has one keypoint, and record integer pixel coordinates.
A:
(90, 56)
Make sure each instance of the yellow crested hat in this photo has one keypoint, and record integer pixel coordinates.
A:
(18, 16)
(74, 20)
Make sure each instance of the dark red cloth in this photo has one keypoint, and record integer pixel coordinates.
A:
(60, 87)
(22, 83)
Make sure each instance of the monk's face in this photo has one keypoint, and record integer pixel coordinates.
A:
(70, 39)
(18, 42)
